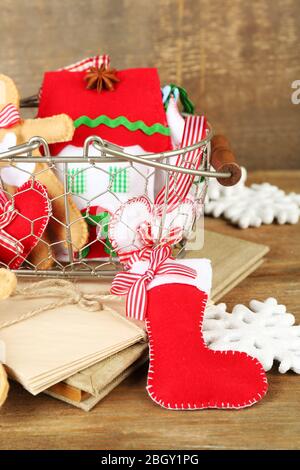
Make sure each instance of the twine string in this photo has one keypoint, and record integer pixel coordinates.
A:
(65, 293)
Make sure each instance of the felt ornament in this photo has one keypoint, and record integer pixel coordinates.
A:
(106, 186)
(138, 179)
(138, 224)
(15, 131)
(265, 330)
(252, 206)
(133, 114)
(8, 283)
(23, 220)
(183, 373)
(98, 245)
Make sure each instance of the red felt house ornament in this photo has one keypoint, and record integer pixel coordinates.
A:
(131, 116)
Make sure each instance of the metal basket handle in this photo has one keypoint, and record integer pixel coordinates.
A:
(109, 152)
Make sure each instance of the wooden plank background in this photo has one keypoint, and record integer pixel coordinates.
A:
(236, 58)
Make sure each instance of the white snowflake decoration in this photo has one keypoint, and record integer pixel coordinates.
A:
(264, 331)
(252, 206)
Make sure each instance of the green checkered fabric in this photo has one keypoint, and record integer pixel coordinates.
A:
(118, 179)
(76, 181)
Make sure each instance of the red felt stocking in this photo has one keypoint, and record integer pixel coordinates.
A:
(183, 372)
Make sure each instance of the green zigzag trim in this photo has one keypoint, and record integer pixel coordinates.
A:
(122, 121)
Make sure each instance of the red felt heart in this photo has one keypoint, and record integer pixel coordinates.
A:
(31, 208)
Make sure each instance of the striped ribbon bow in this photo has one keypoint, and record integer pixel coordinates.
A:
(169, 236)
(128, 258)
(135, 285)
(9, 116)
(7, 214)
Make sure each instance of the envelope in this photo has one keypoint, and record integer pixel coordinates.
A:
(52, 345)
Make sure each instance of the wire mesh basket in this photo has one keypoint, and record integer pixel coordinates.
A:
(104, 176)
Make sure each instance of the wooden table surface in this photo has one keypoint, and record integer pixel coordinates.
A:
(128, 419)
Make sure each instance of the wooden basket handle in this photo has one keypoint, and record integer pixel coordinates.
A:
(223, 159)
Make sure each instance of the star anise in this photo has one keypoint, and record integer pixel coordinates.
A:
(101, 78)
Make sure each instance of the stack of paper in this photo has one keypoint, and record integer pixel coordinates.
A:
(51, 346)
(86, 388)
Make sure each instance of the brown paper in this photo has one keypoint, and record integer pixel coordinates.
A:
(92, 401)
(53, 345)
(95, 378)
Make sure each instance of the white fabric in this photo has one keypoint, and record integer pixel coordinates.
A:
(9, 140)
(19, 173)
(140, 179)
(176, 124)
(201, 265)
(264, 331)
(123, 227)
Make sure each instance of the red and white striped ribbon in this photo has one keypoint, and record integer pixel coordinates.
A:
(9, 116)
(179, 185)
(7, 214)
(128, 258)
(135, 285)
(171, 236)
(86, 64)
